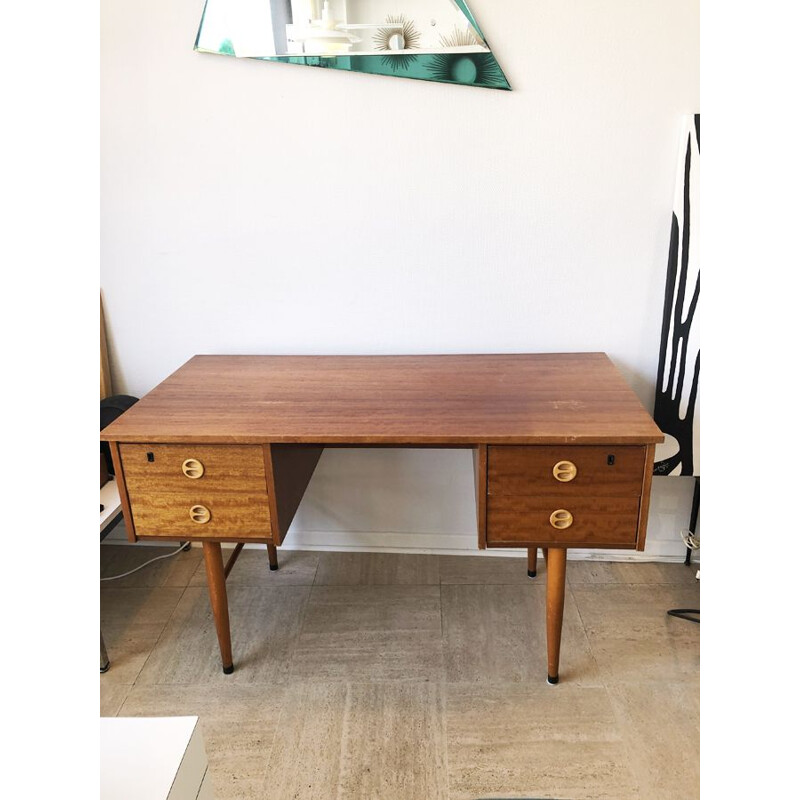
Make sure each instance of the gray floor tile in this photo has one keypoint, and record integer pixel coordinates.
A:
(335, 609)
(376, 569)
(295, 568)
(394, 743)
(498, 633)
(485, 570)
(631, 635)
(370, 633)
(264, 627)
(535, 741)
(660, 723)
(619, 572)
(112, 696)
(132, 620)
(353, 741)
(305, 761)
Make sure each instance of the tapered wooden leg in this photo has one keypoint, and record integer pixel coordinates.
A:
(532, 555)
(556, 583)
(544, 556)
(215, 577)
(272, 552)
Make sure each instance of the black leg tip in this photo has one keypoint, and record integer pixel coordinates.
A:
(228, 670)
(531, 573)
(105, 668)
(273, 567)
(551, 680)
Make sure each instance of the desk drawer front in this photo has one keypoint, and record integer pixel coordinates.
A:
(169, 468)
(201, 514)
(197, 491)
(583, 470)
(590, 521)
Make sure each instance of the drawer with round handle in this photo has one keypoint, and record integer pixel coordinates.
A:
(197, 491)
(570, 470)
(548, 520)
(199, 467)
(202, 516)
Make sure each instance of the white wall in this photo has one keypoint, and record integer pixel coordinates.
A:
(253, 207)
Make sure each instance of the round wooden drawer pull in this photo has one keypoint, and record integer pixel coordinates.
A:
(564, 471)
(192, 468)
(561, 519)
(199, 514)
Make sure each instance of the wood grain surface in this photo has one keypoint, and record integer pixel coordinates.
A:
(598, 521)
(234, 515)
(226, 468)
(391, 400)
(218, 595)
(233, 487)
(119, 476)
(644, 510)
(526, 470)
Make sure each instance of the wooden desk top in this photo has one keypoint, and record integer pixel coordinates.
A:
(578, 398)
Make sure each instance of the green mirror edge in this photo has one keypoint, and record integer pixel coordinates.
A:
(484, 71)
(468, 14)
(200, 30)
(460, 69)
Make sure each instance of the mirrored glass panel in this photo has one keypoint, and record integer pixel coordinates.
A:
(434, 40)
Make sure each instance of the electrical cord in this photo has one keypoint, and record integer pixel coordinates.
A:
(689, 614)
(185, 546)
(690, 540)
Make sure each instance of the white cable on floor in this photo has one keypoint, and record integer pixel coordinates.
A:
(136, 569)
(690, 540)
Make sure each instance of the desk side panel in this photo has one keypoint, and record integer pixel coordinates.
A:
(644, 507)
(119, 476)
(289, 469)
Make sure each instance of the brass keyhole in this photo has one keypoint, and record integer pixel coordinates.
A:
(561, 519)
(199, 514)
(564, 471)
(192, 468)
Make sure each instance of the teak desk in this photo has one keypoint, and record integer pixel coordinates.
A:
(224, 448)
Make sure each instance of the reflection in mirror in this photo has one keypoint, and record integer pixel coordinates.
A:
(435, 40)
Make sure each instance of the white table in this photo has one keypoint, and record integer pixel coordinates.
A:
(153, 758)
(112, 508)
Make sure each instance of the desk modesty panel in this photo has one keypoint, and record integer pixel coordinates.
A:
(224, 448)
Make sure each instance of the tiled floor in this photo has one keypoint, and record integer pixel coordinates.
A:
(366, 675)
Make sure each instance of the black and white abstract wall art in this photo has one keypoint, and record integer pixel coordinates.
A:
(677, 410)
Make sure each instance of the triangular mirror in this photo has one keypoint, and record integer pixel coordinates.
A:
(432, 40)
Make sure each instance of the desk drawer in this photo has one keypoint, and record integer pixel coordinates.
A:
(582, 470)
(558, 521)
(202, 515)
(168, 468)
(197, 491)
